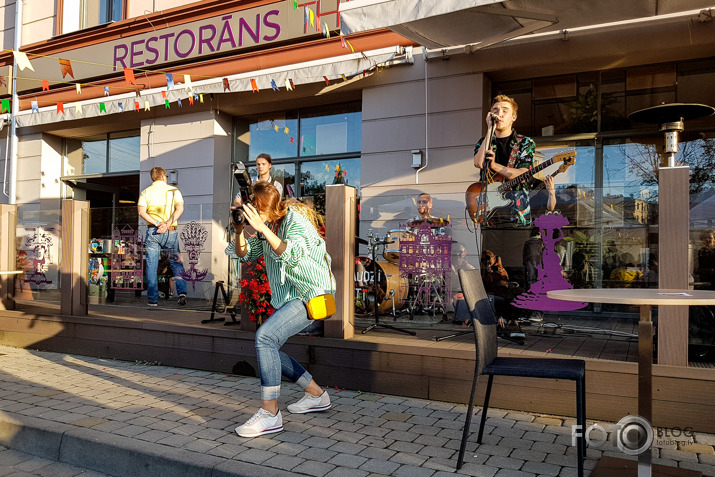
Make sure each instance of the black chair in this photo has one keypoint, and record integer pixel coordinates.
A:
(487, 363)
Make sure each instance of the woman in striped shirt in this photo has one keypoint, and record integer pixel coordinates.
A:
(298, 269)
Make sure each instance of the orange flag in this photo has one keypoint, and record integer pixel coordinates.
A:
(45, 85)
(66, 68)
(254, 86)
(129, 76)
(60, 108)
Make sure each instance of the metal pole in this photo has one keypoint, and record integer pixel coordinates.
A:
(12, 195)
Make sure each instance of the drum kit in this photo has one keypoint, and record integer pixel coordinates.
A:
(413, 271)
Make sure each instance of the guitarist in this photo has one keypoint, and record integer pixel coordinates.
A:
(509, 155)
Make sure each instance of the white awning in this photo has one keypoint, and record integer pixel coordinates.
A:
(438, 24)
(351, 65)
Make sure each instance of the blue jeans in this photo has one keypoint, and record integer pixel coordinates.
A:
(154, 244)
(271, 335)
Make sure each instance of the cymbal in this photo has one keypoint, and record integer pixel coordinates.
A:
(434, 222)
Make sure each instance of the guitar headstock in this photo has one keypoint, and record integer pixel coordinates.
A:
(567, 158)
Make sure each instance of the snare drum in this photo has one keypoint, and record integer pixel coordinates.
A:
(392, 250)
(389, 285)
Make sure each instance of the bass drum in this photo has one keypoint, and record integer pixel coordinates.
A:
(389, 285)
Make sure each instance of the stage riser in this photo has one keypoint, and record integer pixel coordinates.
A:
(404, 370)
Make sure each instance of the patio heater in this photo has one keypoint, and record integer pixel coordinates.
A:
(673, 224)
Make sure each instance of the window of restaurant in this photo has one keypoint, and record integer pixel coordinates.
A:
(319, 146)
(81, 14)
(610, 194)
(104, 169)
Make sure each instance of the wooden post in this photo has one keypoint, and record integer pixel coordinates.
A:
(340, 218)
(673, 238)
(74, 269)
(8, 255)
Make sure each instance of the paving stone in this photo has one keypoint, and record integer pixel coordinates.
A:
(541, 468)
(408, 459)
(505, 462)
(413, 471)
(284, 462)
(346, 472)
(317, 469)
(348, 460)
(379, 466)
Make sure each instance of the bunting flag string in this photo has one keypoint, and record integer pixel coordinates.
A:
(274, 85)
(226, 86)
(78, 87)
(45, 85)
(66, 68)
(5, 105)
(169, 81)
(22, 60)
(121, 106)
(166, 104)
(187, 83)
(78, 109)
(254, 86)
(163, 94)
(146, 106)
(102, 108)
(106, 90)
(35, 107)
(60, 108)
(136, 106)
(129, 77)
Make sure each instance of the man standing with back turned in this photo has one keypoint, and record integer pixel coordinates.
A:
(161, 205)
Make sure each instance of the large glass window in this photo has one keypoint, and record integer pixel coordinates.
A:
(114, 152)
(310, 148)
(81, 14)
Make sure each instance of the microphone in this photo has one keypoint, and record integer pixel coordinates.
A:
(493, 117)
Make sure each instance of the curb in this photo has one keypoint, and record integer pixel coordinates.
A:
(116, 455)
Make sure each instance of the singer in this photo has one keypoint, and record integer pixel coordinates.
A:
(508, 155)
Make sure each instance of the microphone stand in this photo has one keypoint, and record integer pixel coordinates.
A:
(480, 216)
(376, 242)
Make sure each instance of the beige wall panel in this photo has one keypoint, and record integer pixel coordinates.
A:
(182, 153)
(442, 95)
(455, 128)
(29, 167)
(51, 186)
(393, 100)
(184, 126)
(397, 134)
(29, 145)
(39, 30)
(37, 10)
(28, 191)
(445, 165)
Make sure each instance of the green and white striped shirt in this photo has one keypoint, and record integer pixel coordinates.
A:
(302, 271)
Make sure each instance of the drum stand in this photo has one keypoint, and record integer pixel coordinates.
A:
(376, 243)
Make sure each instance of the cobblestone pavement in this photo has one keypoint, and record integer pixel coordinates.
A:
(123, 418)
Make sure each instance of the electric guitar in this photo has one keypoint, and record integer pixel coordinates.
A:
(485, 201)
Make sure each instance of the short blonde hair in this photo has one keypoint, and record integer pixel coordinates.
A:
(502, 98)
(157, 173)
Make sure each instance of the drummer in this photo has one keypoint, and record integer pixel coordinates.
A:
(424, 211)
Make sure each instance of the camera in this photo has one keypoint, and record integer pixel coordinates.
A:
(245, 191)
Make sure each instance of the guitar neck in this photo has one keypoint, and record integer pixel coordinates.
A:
(526, 175)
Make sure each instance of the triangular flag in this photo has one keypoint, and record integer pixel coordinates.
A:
(342, 42)
(166, 104)
(343, 76)
(196, 96)
(295, 4)
(60, 108)
(274, 85)
(327, 81)
(351, 46)
(22, 61)
(129, 77)
(226, 86)
(106, 90)
(169, 81)
(201, 98)
(327, 31)
(254, 86)
(146, 105)
(191, 99)
(136, 105)
(78, 109)
(211, 96)
(163, 94)
(275, 126)
(102, 108)
(78, 87)
(291, 140)
(305, 15)
(179, 100)
(66, 68)
(312, 17)
(35, 106)
(290, 82)
(45, 85)
(286, 130)
(187, 83)
(121, 107)
(5, 105)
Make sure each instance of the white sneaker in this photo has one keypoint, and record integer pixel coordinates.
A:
(310, 403)
(262, 422)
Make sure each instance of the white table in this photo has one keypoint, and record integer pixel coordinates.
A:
(645, 298)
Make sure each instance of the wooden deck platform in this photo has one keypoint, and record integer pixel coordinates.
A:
(385, 361)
